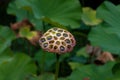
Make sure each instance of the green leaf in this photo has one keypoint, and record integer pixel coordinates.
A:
(14, 9)
(7, 56)
(82, 52)
(63, 79)
(23, 13)
(47, 20)
(107, 41)
(6, 36)
(47, 76)
(111, 15)
(116, 69)
(17, 67)
(89, 17)
(45, 60)
(75, 65)
(107, 35)
(115, 78)
(92, 72)
(66, 12)
(79, 59)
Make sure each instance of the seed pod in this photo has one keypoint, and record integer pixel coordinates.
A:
(57, 40)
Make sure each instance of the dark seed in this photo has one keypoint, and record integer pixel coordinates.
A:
(68, 46)
(70, 35)
(51, 46)
(49, 37)
(67, 41)
(50, 30)
(53, 32)
(45, 45)
(72, 40)
(63, 43)
(60, 30)
(58, 34)
(46, 34)
(43, 40)
(65, 35)
(62, 38)
(65, 31)
(55, 38)
(55, 47)
(51, 41)
(62, 48)
(57, 42)
(54, 29)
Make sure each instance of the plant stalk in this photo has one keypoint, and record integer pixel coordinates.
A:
(44, 54)
(57, 66)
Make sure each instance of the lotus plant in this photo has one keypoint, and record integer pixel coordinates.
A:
(59, 41)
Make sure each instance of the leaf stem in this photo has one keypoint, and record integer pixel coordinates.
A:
(57, 66)
(43, 62)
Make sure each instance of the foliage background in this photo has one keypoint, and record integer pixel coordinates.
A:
(91, 22)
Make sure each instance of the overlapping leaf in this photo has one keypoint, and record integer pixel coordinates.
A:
(17, 67)
(111, 15)
(107, 35)
(6, 36)
(108, 42)
(66, 12)
(92, 72)
(22, 13)
(45, 60)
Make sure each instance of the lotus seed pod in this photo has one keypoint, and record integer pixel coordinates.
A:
(57, 40)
